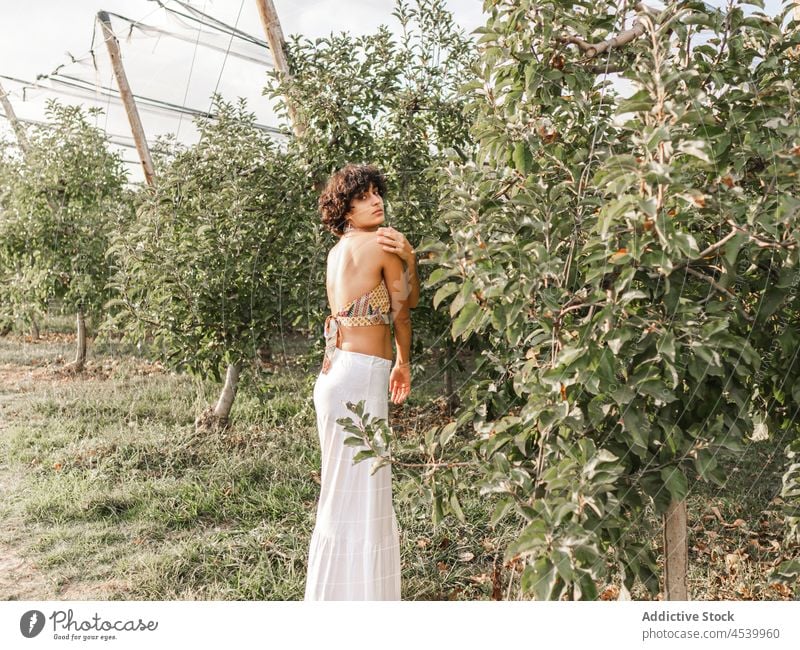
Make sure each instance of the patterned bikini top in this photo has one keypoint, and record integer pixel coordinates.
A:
(373, 308)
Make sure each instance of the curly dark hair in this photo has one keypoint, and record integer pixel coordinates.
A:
(343, 185)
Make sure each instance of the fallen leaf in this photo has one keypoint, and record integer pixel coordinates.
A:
(732, 561)
(481, 578)
(739, 523)
(782, 589)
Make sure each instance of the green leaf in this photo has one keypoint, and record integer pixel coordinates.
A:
(502, 507)
(438, 275)
(455, 507)
(532, 537)
(522, 157)
(539, 577)
(636, 425)
(666, 346)
(657, 389)
(464, 297)
(733, 246)
(444, 291)
(675, 481)
(563, 565)
(437, 513)
(361, 455)
(705, 463)
(696, 148)
(448, 431)
(465, 319)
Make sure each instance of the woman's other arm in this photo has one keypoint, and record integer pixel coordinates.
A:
(395, 242)
(399, 294)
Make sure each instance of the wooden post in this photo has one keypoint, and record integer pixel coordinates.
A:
(127, 97)
(676, 551)
(272, 28)
(12, 117)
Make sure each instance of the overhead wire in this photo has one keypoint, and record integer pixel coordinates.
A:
(210, 21)
(259, 54)
(225, 59)
(189, 79)
(81, 88)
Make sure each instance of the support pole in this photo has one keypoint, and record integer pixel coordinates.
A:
(676, 552)
(127, 97)
(277, 44)
(22, 139)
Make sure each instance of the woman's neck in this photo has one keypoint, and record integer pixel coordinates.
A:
(353, 229)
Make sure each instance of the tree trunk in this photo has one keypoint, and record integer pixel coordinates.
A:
(223, 408)
(34, 328)
(213, 418)
(676, 552)
(264, 355)
(80, 353)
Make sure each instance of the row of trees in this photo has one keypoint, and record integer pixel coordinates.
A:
(627, 267)
(630, 264)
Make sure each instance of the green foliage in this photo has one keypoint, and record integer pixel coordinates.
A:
(203, 265)
(628, 264)
(59, 202)
(379, 99)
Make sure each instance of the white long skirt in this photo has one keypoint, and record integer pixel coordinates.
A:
(354, 552)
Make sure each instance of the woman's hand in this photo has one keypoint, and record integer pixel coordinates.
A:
(400, 383)
(395, 242)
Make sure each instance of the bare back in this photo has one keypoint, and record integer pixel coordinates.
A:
(355, 266)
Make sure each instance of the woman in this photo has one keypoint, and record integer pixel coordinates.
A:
(354, 552)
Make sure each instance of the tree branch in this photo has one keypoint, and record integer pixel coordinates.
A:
(760, 241)
(623, 38)
(711, 281)
(719, 288)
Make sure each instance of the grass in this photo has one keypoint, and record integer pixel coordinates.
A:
(111, 494)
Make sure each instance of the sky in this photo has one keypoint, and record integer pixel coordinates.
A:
(40, 37)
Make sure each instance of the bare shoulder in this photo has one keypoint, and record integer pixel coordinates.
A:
(366, 247)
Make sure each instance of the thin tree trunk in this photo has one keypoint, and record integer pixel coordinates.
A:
(223, 408)
(34, 328)
(213, 418)
(80, 352)
(676, 552)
